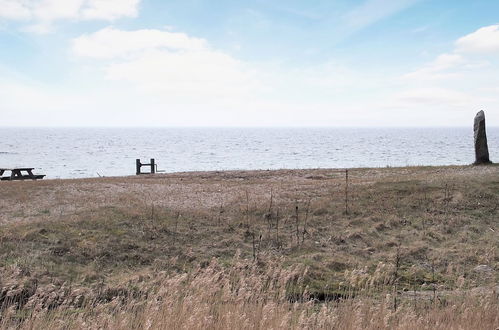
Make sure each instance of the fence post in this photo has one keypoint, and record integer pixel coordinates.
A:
(153, 166)
(346, 191)
(137, 166)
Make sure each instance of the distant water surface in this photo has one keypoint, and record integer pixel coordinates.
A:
(89, 152)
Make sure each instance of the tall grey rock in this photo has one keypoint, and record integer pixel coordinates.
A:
(481, 148)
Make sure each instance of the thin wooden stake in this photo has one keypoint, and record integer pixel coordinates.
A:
(297, 224)
(305, 222)
(277, 229)
(346, 191)
(254, 246)
(247, 208)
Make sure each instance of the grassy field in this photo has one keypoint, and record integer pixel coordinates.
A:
(414, 247)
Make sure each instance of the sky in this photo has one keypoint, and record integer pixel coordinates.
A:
(356, 63)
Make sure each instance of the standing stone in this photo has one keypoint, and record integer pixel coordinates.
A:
(481, 148)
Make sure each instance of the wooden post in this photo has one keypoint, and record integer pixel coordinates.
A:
(137, 166)
(153, 166)
(346, 191)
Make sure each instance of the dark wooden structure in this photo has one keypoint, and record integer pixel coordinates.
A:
(138, 166)
(17, 174)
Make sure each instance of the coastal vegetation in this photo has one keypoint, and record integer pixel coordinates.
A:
(413, 247)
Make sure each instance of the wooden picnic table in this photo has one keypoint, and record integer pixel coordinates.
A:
(16, 174)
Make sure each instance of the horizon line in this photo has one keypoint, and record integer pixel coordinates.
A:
(243, 127)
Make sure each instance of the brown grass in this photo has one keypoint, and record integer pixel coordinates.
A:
(417, 249)
(249, 296)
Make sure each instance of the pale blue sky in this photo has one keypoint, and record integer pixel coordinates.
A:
(248, 63)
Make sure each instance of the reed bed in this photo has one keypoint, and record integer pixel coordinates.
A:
(251, 295)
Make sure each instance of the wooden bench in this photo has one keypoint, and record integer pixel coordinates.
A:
(16, 174)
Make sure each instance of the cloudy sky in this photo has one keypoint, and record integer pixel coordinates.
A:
(248, 63)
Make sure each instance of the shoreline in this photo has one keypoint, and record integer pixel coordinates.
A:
(255, 171)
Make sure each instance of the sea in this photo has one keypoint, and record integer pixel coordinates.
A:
(95, 152)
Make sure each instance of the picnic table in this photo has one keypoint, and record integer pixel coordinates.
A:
(17, 174)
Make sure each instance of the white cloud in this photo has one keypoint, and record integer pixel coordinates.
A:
(439, 68)
(187, 74)
(163, 62)
(436, 96)
(41, 14)
(484, 41)
(178, 68)
(175, 79)
(109, 9)
(111, 43)
(50, 10)
(461, 79)
(465, 58)
(14, 10)
(166, 78)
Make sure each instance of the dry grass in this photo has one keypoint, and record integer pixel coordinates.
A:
(139, 250)
(248, 296)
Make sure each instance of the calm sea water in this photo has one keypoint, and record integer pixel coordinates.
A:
(89, 152)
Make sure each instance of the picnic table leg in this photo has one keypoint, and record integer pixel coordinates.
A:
(31, 175)
(13, 174)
